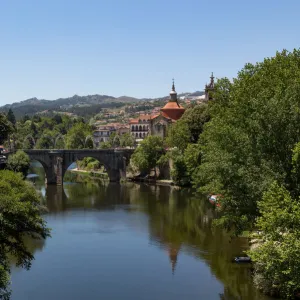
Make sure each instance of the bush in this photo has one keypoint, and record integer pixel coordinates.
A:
(277, 258)
(19, 162)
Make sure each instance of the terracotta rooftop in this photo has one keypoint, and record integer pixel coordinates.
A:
(172, 110)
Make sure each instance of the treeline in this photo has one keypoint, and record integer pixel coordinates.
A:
(58, 132)
(245, 145)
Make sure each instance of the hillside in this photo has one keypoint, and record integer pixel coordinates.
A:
(79, 105)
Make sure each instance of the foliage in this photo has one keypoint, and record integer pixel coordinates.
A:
(147, 154)
(19, 217)
(188, 129)
(19, 162)
(5, 128)
(179, 172)
(105, 145)
(46, 141)
(76, 137)
(195, 118)
(89, 164)
(277, 258)
(179, 135)
(114, 140)
(192, 159)
(11, 117)
(247, 144)
(127, 140)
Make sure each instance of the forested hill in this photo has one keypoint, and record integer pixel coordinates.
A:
(75, 104)
(79, 105)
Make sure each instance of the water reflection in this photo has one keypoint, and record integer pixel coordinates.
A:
(177, 223)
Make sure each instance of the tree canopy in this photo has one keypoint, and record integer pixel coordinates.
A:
(148, 153)
(19, 162)
(5, 128)
(249, 140)
(77, 137)
(19, 217)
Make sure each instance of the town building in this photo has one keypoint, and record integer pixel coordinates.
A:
(103, 132)
(140, 127)
(157, 124)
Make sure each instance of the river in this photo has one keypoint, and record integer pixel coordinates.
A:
(131, 241)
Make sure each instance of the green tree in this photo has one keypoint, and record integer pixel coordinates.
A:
(19, 162)
(277, 257)
(58, 119)
(195, 118)
(189, 127)
(148, 153)
(114, 140)
(46, 141)
(11, 117)
(20, 217)
(127, 140)
(179, 172)
(5, 128)
(77, 135)
(247, 143)
(179, 135)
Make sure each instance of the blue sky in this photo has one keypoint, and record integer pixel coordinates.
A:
(58, 48)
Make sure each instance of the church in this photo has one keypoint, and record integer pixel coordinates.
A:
(157, 124)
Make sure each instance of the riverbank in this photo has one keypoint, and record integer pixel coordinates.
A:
(166, 182)
(89, 173)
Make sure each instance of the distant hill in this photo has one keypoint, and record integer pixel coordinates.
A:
(80, 105)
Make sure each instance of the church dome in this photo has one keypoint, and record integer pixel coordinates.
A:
(173, 110)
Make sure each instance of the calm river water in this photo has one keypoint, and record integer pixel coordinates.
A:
(131, 241)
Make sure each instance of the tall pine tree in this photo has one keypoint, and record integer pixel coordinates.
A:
(11, 117)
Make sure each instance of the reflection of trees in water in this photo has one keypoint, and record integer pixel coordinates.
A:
(32, 245)
(181, 222)
(177, 222)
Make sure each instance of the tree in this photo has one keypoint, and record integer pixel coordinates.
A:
(189, 127)
(179, 135)
(127, 140)
(277, 257)
(58, 119)
(19, 162)
(20, 217)
(76, 136)
(46, 141)
(114, 140)
(11, 117)
(5, 128)
(247, 143)
(148, 153)
(179, 172)
(25, 118)
(195, 118)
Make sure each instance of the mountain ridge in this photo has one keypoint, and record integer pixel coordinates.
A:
(34, 105)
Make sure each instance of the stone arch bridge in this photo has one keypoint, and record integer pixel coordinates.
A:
(56, 162)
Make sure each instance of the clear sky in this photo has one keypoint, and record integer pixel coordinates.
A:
(58, 48)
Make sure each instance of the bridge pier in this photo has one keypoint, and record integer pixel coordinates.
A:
(54, 169)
